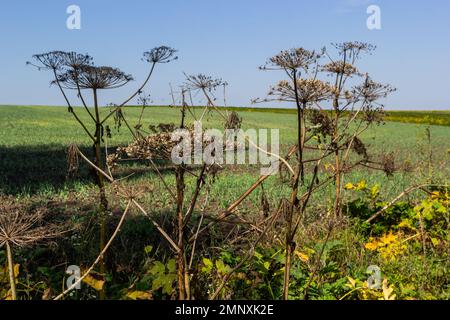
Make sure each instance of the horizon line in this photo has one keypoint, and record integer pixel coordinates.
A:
(200, 106)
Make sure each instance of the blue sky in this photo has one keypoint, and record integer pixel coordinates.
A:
(227, 39)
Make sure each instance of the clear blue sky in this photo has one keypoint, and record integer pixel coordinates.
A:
(227, 39)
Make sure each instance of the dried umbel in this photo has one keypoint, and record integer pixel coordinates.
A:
(371, 91)
(60, 60)
(353, 49)
(388, 162)
(159, 146)
(292, 59)
(339, 67)
(202, 82)
(53, 60)
(21, 226)
(373, 113)
(97, 78)
(233, 121)
(112, 159)
(162, 54)
(320, 121)
(132, 192)
(76, 61)
(359, 147)
(144, 100)
(308, 91)
(155, 147)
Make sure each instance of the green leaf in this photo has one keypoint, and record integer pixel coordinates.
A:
(221, 267)
(148, 249)
(168, 283)
(435, 241)
(158, 268)
(207, 265)
(156, 284)
(171, 265)
(258, 255)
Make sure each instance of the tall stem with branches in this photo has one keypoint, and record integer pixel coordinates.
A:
(75, 71)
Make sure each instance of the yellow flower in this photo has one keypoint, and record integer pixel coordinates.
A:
(389, 246)
(361, 185)
(372, 246)
(302, 256)
(349, 186)
(389, 238)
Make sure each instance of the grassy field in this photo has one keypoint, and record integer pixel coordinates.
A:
(33, 168)
(33, 141)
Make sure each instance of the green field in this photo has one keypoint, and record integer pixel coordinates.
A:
(33, 169)
(33, 141)
(441, 117)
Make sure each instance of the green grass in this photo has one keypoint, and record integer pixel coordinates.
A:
(33, 141)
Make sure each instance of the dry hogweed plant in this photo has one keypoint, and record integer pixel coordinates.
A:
(322, 134)
(185, 211)
(206, 85)
(23, 227)
(143, 100)
(185, 207)
(158, 146)
(73, 71)
(352, 106)
(354, 109)
(303, 92)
